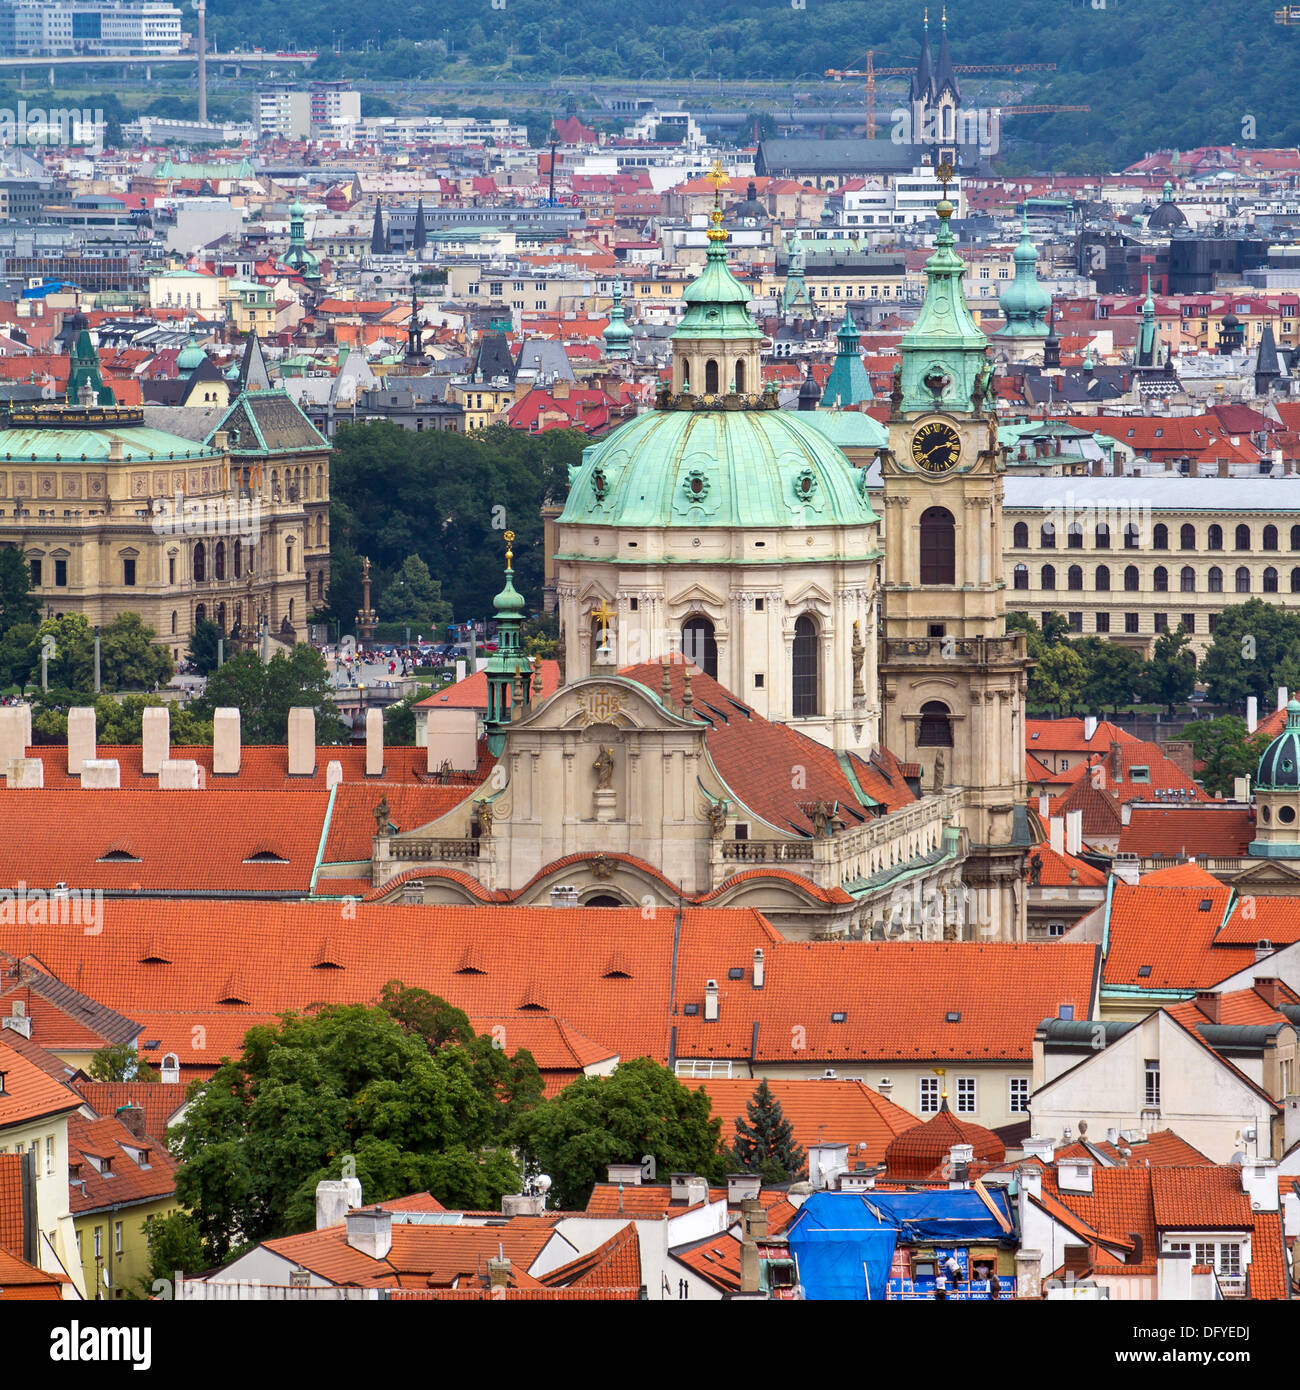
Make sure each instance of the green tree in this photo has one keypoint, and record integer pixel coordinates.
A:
(641, 1111)
(1256, 647)
(765, 1143)
(414, 596)
(1227, 750)
(203, 648)
(1170, 675)
(1056, 628)
(18, 655)
(264, 693)
(1114, 673)
(17, 604)
(130, 658)
(541, 636)
(71, 647)
(117, 720)
(399, 719)
(1034, 644)
(1058, 679)
(175, 1246)
(119, 1062)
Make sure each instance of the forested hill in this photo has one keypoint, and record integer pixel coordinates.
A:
(1157, 73)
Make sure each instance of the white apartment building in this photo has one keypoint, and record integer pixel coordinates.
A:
(56, 28)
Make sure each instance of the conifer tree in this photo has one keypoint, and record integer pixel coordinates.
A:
(765, 1145)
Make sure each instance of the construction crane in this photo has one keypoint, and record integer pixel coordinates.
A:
(1288, 14)
(1036, 110)
(871, 72)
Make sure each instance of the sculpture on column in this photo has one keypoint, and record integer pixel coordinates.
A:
(859, 653)
(937, 785)
(382, 823)
(604, 769)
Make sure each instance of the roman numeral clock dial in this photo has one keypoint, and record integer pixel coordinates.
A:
(936, 448)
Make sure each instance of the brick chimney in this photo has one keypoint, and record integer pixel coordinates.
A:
(1269, 989)
(1116, 762)
(1210, 1004)
(302, 742)
(374, 742)
(371, 1232)
(156, 740)
(132, 1117)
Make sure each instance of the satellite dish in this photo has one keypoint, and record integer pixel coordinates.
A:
(543, 1184)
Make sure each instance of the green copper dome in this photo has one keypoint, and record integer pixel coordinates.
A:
(709, 468)
(190, 357)
(1279, 768)
(1024, 302)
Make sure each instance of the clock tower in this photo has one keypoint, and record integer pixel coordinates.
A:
(952, 679)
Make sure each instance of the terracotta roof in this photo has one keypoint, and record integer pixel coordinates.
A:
(1187, 831)
(651, 1202)
(1162, 936)
(1118, 1208)
(1161, 1146)
(21, 1282)
(615, 1264)
(352, 824)
(1200, 1199)
(1267, 1277)
(62, 1018)
(848, 1112)
(1056, 869)
(29, 1093)
(159, 1101)
(11, 1202)
(1067, 736)
(471, 693)
(715, 1258)
(128, 1169)
(919, 1150)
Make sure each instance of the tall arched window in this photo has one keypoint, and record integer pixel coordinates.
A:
(1074, 580)
(174, 615)
(1215, 580)
(1243, 580)
(1295, 538)
(1131, 578)
(699, 646)
(1103, 577)
(288, 555)
(219, 560)
(1101, 536)
(740, 376)
(1074, 536)
(935, 728)
(1160, 579)
(1270, 580)
(1295, 581)
(1270, 537)
(804, 693)
(1187, 537)
(200, 612)
(200, 562)
(711, 377)
(1187, 580)
(1020, 577)
(320, 482)
(1160, 536)
(237, 554)
(1243, 537)
(1020, 536)
(1214, 538)
(1047, 580)
(938, 546)
(1132, 536)
(1047, 536)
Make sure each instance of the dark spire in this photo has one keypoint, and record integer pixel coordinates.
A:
(377, 243)
(1268, 367)
(1051, 344)
(253, 375)
(417, 242)
(944, 76)
(414, 339)
(810, 394)
(923, 77)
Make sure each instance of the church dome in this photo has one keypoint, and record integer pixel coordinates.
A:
(190, 357)
(1279, 768)
(1024, 302)
(1167, 214)
(919, 1151)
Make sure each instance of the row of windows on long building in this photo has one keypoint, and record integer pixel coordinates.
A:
(1162, 579)
(1188, 537)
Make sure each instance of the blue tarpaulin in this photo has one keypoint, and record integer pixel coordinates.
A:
(844, 1241)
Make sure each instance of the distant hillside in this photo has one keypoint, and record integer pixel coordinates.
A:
(1157, 73)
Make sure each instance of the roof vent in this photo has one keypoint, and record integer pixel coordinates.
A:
(952, 1016)
(1205, 905)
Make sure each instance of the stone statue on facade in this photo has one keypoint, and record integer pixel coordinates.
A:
(717, 814)
(382, 823)
(938, 772)
(859, 654)
(604, 769)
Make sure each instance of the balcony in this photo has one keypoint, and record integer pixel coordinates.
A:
(440, 851)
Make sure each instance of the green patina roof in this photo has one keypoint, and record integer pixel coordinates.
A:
(140, 444)
(848, 429)
(1279, 768)
(848, 382)
(1024, 302)
(169, 169)
(708, 468)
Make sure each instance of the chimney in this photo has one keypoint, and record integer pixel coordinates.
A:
(101, 773)
(335, 1197)
(1038, 1146)
(302, 742)
(1241, 788)
(750, 1279)
(1029, 1272)
(1259, 1183)
(961, 1153)
(1252, 713)
(1263, 949)
(1074, 1175)
(180, 774)
(18, 1021)
(1089, 727)
(13, 742)
(1116, 762)
(1112, 1137)
(1269, 989)
(624, 1174)
(522, 1204)
(498, 1270)
(1126, 813)
(711, 1001)
(1282, 697)
(1073, 832)
(371, 1232)
(742, 1188)
(170, 1071)
(1030, 1178)
(564, 895)
(225, 742)
(1044, 806)
(759, 967)
(132, 1117)
(156, 740)
(1056, 834)
(374, 743)
(1210, 1004)
(753, 1218)
(25, 772)
(81, 739)
(333, 774)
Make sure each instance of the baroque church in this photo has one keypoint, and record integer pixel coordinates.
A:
(763, 702)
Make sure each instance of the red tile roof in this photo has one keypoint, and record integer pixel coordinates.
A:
(1163, 936)
(614, 1264)
(21, 1282)
(925, 1146)
(129, 1170)
(159, 1101)
(471, 693)
(1066, 870)
(1187, 831)
(29, 1093)
(715, 1258)
(1161, 1146)
(1200, 1199)
(11, 1202)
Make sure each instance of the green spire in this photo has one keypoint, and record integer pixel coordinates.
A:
(944, 349)
(794, 297)
(1024, 302)
(617, 336)
(848, 382)
(83, 372)
(717, 304)
(504, 664)
(1147, 340)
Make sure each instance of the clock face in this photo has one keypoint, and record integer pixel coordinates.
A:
(936, 447)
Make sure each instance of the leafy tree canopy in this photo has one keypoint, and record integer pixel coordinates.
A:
(264, 693)
(1227, 750)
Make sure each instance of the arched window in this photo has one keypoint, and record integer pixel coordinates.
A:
(1131, 536)
(1270, 537)
(1270, 580)
(1187, 537)
(1020, 536)
(237, 554)
(1131, 578)
(1243, 537)
(1214, 540)
(1074, 536)
(1020, 577)
(219, 560)
(699, 646)
(1215, 584)
(1047, 580)
(200, 562)
(1160, 536)
(938, 546)
(1295, 581)
(320, 584)
(1047, 536)
(1101, 536)
(740, 376)
(1074, 580)
(291, 610)
(200, 612)
(935, 728)
(711, 377)
(174, 615)
(1243, 580)
(1160, 579)
(288, 556)
(1187, 580)
(1295, 538)
(1103, 577)
(320, 482)
(804, 694)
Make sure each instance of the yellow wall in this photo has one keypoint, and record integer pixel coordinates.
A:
(127, 1268)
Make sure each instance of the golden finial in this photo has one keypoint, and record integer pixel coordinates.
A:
(510, 554)
(717, 176)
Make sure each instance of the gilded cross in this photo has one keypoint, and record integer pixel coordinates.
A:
(717, 176)
(510, 541)
(603, 613)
